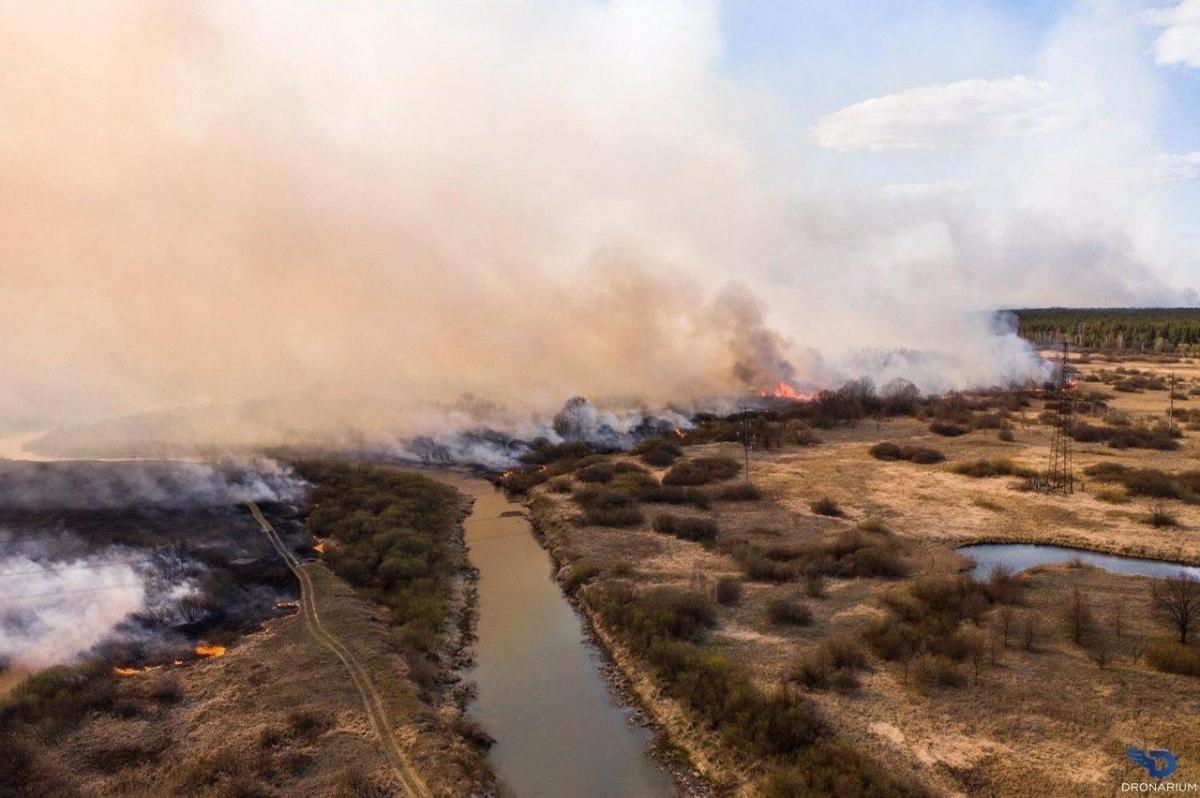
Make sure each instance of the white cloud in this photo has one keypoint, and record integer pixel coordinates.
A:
(1184, 166)
(945, 115)
(1179, 42)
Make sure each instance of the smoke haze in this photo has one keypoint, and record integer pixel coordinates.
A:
(296, 219)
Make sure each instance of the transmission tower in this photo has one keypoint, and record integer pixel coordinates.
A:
(1059, 477)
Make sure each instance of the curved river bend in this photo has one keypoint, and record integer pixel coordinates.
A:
(1019, 556)
(558, 729)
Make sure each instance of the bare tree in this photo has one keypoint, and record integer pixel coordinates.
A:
(1008, 623)
(1118, 618)
(1031, 631)
(1077, 617)
(1175, 602)
(1100, 648)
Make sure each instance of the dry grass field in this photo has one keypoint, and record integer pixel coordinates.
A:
(276, 715)
(1025, 720)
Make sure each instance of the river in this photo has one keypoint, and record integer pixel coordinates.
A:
(559, 729)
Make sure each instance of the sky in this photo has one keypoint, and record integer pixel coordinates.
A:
(826, 57)
(345, 217)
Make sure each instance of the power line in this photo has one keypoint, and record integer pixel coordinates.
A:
(78, 590)
(62, 568)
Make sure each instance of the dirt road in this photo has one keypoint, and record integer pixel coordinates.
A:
(372, 703)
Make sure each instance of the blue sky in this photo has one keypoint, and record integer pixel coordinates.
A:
(824, 56)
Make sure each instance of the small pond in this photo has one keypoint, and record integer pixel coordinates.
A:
(1019, 556)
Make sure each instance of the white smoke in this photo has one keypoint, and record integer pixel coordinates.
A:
(52, 610)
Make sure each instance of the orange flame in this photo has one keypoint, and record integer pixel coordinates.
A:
(123, 671)
(319, 548)
(210, 651)
(785, 390)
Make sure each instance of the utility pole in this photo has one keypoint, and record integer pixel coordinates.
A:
(744, 433)
(1059, 477)
(1171, 406)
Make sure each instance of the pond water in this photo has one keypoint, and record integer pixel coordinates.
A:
(1019, 556)
(559, 729)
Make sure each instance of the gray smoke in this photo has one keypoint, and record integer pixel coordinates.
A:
(174, 485)
(52, 610)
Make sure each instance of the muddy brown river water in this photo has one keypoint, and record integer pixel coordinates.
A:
(559, 729)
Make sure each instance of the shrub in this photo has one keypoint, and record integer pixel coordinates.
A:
(581, 572)
(658, 452)
(395, 539)
(702, 471)
(729, 590)
(739, 492)
(1006, 435)
(674, 494)
(997, 467)
(1174, 658)
(892, 639)
(700, 530)
(561, 485)
(832, 768)
(605, 506)
(924, 456)
(1161, 517)
(599, 473)
(947, 430)
(614, 516)
(826, 506)
(790, 612)
(1112, 496)
(814, 585)
(933, 670)
(886, 451)
(914, 454)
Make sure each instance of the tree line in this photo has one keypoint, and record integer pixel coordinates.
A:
(1175, 330)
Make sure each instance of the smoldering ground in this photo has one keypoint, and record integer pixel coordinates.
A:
(252, 223)
(136, 561)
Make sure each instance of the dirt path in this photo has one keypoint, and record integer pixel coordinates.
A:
(372, 703)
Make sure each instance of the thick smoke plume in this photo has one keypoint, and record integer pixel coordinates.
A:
(240, 223)
(53, 610)
(137, 484)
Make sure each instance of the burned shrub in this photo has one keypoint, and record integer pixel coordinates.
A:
(826, 506)
(700, 530)
(702, 471)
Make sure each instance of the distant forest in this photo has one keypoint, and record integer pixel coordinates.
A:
(1140, 329)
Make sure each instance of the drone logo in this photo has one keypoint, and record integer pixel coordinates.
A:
(1150, 761)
